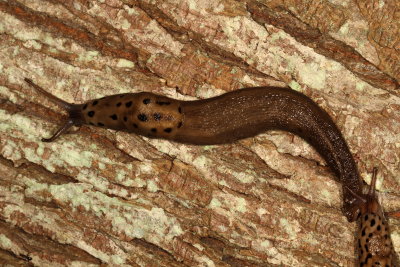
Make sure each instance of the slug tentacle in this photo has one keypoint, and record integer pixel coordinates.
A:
(51, 97)
(60, 131)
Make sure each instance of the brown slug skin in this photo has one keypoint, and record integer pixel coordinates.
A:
(375, 247)
(223, 119)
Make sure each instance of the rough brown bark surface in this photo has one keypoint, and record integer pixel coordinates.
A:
(98, 196)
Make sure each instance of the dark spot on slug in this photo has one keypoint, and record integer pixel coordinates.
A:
(372, 222)
(378, 228)
(146, 101)
(168, 130)
(100, 124)
(91, 123)
(119, 104)
(135, 125)
(91, 113)
(128, 104)
(366, 217)
(157, 116)
(84, 107)
(366, 248)
(370, 235)
(95, 103)
(368, 257)
(180, 124)
(359, 243)
(154, 130)
(180, 110)
(114, 117)
(125, 118)
(386, 236)
(363, 232)
(161, 103)
(142, 117)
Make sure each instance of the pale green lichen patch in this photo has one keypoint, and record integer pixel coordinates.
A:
(295, 86)
(246, 176)
(17, 125)
(360, 86)
(192, 5)
(151, 225)
(124, 63)
(111, 259)
(289, 228)
(395, 235)
(223, 182)
(313, 74)
(133, 221)
(40, 150)
(149, 29)
(239, 204)
(76, 195)
(327, 196)
(344, 29)
(125, 24)
(131, 11)
(229, 202)
(87, 56)
(264, 246)
(214, 203)
(5, 242)
(310, 239)
(33, 44)
(121, 175)
(74, 156)
(261, 212)
(152, 186)
(201, 161)
(10, 150)
(33, 188)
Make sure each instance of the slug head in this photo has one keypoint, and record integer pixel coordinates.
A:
(367, 203)
(74, 111)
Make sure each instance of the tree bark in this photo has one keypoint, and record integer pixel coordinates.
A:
(97, 196)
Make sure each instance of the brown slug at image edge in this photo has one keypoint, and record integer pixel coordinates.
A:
(223, 119)
(374, 244)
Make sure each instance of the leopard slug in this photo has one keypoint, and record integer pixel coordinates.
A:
(222, 119)
(375, 247)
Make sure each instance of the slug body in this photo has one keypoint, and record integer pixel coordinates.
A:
(223, 119)
(375, 247)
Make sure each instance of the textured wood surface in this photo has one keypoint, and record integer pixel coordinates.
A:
(97, 196)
